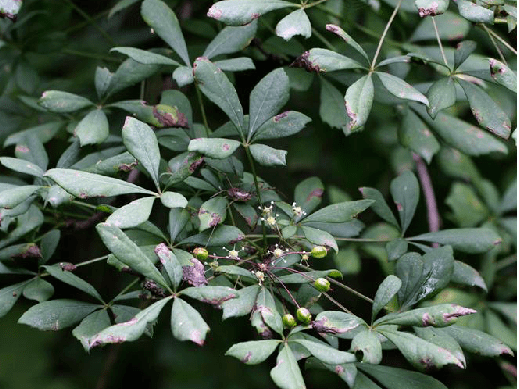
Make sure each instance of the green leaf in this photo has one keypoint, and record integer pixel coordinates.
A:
(221, 236)
(340, 324)
(406, 192)
(319, 237)
(363, 382)
(120, 5)
(285, 124)
(243, 304)
(418, 352)
(475, 13)
(235, 64)
(468, 240)
(145, 57)
(141, 142)
(358, 101)
(401, 89)
(215, 295)
(440, 315)
(509, 201)
(56, 314)
(367, 342)
(128, 252)
(441, 339)
(214, 147)
(132, 214)
(183, 75)
(385, 292)
(164, 22)
(83, 184)
(102, 80)
(331, 108)
(395, 378)
(9, 295)
(486, 111)
(267, 98)
(441, 95)
(22, 166)
(38, 289)
(476, 341)
(323, 60)
(171, 264)
(240, 12)
(217, 87)
(49, 244)
(44, 133)
(71, 279)
(266, 306)
(212, 212)
(326, 353)
(463, 50)
(308, 194)
(90, 326)
(287, 374)
(129, 330)
(295, 23)
(186, 323)
(253, 352)
(247, 212)
(380, 206)
(31, 149)
(182, 166)
(431, 7)
(173, 200)
(468, 210)
(416, 136)
(396, 248)
(450, 27)
(307, 277)
(231, 40)
(268, 156)
(11, 197)
(503, 75)
(340, 212)
(178, 219)
(63, 102)
(348, 39)
(129, 73)
(465, 137)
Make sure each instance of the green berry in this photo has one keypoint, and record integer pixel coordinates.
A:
(319, 252)
(322, 285)
(304, 315)
(200, 253)
(289, 321)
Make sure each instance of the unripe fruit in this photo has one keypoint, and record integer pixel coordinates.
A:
(289, 321)
(319, 252)
(200, 253)
(304, 315)
(322, 285)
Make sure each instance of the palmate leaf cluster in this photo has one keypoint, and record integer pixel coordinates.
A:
(166, 179)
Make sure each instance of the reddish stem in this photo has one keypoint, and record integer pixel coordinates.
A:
(433, 217)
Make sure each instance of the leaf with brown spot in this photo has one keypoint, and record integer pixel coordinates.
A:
(186, 323)
(253, 352)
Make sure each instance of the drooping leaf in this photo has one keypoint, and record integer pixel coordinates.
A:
(240, 12)
(253, 352)
(441, 95)
(268, 156)
(401, 89)
(141, 142)
(358, 101)
(231, 40)
(129, 330)
(83, 184)
(164, 22)
(186, 323)
(212, 212)
(469, 240)
(295, 23)
(217, 87)
(132, 214)
(287, 374)
(63, 102)
(440, 315)
(385, 292)
(128, 252)
(285, 124)
(145, 57)
(71, 279)
(56, 314)
(486, 111)
(332, 109)
(406, 192)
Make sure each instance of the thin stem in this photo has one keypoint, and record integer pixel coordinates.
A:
(90, 261)
(323, 39)
(433, 217)
(256, 184)
(89, 55)
(395, 11)
(312, 4)
(79, 26)
(439, 40)
(202, 109)
(273, 276)
(92, 22)
(90, 206)
(496, 46)
(505, 43)
(127, 288)
(336, 302)
(359, 240)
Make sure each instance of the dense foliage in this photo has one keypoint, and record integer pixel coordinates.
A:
(165, 160)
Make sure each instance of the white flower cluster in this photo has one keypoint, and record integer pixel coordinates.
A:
(268, 216)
